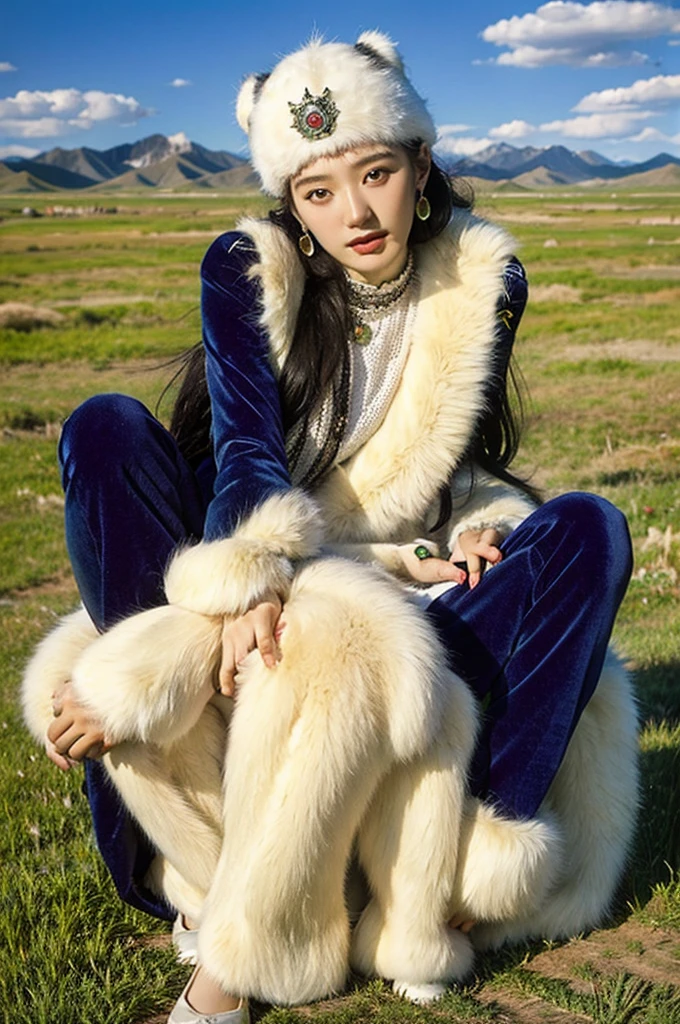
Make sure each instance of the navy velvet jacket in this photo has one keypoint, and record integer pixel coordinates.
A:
(247, 431)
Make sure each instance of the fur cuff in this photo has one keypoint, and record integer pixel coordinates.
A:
(227, 577)
(51, 666)
(493, 504)
(150, 676)
(506, 866)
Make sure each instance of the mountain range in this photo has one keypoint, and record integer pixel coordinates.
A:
(158, 161)
(553, 165)
(175, 163)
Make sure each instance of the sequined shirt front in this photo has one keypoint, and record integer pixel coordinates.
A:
(375, 367)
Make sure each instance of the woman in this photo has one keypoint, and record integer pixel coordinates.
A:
(356, 350)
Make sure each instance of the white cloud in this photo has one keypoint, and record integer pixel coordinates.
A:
(6, 66)
(598, 126)
(453, 146)
(582, 35)
(453, 129)
(535, 57)
(47, 114)
(660, 90)
(512, 130)
(40, 128)
(654, 135)
(180, 83)
(14, 150)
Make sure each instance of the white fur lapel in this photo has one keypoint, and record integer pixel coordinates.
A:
(283, 282)
(394, 478)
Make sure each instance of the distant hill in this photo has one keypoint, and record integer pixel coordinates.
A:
(540, 177)
(20, 181)
(658, 177)
(158, 161)
(176, 163)
(554, 164)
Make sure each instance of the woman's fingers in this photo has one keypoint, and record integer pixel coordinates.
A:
(227, 667)
(429, 569)
(264, 635)
(479, 547)
(463, 923)
(259, 628)
(56, 758)
(64, 742)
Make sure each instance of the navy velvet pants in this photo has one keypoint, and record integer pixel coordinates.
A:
(530, 639)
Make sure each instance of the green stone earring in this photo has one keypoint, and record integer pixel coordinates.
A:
(306, 243)
(423, 208)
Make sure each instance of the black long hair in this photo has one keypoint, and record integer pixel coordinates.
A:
(311, 371)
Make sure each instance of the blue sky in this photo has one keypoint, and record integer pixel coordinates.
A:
(602, 75)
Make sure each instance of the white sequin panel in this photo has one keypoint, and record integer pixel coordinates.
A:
(375, 372)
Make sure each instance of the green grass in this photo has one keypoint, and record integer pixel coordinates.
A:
(604, 376)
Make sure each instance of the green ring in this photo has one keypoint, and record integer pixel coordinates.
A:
(421, 552)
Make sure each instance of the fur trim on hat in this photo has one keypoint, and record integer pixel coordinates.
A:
(360, 95)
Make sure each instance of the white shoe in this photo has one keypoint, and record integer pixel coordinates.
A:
(185, 941)
(423, 993)
(183, 1013)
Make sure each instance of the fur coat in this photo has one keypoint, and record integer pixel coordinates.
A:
(355, 738)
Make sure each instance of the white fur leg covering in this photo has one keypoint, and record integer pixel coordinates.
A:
(594, 799)
(175, 793)
(594, 796)
(408, 845)
(310, 740)
(51, 666)
(165, 880)
(506, 866)
(149, 677)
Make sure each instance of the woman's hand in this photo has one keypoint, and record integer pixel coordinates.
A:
(259, 628)
(74, 733)
(477, 547)
(430, 569)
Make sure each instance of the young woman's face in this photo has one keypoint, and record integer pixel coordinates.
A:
(359, 206)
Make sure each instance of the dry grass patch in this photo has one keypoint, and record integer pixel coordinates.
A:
(659, 298)
(19, 316)
(638, 350)
(554, 293)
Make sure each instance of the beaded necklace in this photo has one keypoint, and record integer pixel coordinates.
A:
(370, 303)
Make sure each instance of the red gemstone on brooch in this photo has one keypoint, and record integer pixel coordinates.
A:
(314, 119)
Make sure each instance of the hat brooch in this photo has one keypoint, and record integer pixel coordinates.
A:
(315, 117)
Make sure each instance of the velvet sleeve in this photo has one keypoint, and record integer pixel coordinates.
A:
(247, 426)
(510, 308)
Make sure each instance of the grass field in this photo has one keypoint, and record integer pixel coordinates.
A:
(600, 352)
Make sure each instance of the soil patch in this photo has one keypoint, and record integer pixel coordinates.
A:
(516, 1009)
(652, 954)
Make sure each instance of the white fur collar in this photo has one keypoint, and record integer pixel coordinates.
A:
(396, 476)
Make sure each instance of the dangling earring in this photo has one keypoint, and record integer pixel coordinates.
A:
(423, 208)
(306, 243)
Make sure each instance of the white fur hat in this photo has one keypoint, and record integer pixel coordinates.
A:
(326, 98)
